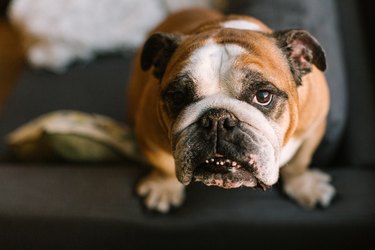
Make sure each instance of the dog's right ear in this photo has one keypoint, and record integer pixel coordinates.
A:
(157, 51)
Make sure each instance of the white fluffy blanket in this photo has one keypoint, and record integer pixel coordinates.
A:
(57, 32)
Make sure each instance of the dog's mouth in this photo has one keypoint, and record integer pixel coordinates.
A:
(228, 173)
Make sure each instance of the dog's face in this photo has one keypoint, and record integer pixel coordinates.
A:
(229, 100)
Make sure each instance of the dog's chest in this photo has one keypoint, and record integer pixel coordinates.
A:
(289, 150)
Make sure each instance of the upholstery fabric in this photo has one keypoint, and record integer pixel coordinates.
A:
(360, 135)
(97, 87)
(77, 204)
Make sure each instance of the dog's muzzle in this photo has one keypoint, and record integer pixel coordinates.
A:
(226, 165)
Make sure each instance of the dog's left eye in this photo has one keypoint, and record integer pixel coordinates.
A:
(178, 98)
(263, 97)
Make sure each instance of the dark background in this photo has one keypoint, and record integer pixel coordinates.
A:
(367, 11)
(367, 8)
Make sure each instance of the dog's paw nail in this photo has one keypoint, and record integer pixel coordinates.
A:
(328, 194)
(163, 205)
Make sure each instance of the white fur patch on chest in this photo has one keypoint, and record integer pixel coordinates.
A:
(289, 150)
(211, 66)
(241, 25)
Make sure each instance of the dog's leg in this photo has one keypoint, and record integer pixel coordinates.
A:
(307, 187)
(160, 188)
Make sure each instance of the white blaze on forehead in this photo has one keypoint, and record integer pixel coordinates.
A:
(211, 67)
(241, 25)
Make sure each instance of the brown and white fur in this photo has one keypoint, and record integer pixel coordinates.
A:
(197, 102)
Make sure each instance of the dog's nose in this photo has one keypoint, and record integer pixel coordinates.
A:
(215, 120)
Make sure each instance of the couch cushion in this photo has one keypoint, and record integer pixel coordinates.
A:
(78, 205)
(360, 139)
(97, 87)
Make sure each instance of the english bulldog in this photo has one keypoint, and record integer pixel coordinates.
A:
(226, 101)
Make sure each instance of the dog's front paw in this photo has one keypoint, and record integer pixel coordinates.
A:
(310, 189)
(160, 192)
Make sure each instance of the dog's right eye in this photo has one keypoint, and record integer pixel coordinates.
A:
(179, 93)
(176, 97)
(176, 100)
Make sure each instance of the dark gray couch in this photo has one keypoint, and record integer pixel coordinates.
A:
(81, 206)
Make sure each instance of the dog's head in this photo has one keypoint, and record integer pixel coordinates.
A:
(228, 98)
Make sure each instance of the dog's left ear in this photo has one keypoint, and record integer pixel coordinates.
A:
(302, 50)
(157, 51)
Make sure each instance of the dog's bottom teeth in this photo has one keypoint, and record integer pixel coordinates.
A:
(220, 161)
(226, 173)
